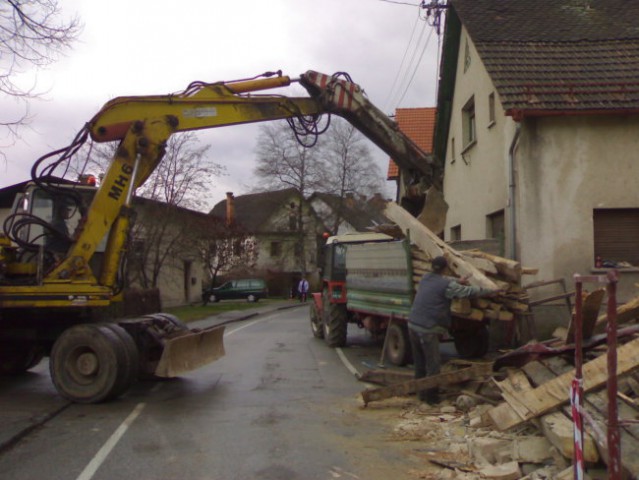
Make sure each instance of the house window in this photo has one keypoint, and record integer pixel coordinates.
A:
(616, 236)
(455, 233)
(276, 249)
(496, 228)
(466, 57)
(491, 109)
(292, 217)
(468, 123)
(452, 150)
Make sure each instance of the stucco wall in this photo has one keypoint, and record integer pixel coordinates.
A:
(476, 177)
(566, 167)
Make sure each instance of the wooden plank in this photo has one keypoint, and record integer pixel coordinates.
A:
(591, 304)
(596, 405)
(413, 386)
(461, 306)
(481, 263)
(435, 246)
(626, 312)
(556, 392)
(384, 377)
(507, 268)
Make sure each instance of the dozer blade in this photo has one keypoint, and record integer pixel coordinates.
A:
(190, 350)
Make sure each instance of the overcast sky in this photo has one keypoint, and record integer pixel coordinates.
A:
(152, 47)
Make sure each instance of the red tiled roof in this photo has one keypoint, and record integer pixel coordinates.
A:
(419, 125)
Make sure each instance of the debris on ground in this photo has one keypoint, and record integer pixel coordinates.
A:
(510, 417)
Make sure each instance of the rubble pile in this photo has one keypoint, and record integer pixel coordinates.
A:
(510, 417)
(513, 419)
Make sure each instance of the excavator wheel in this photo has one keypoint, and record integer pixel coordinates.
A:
(398, 350)
(316, 321)
(335, 323)
(131, 364)
(17, 358)
(88, 364)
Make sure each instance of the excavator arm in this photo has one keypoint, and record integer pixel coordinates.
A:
(143, 124)
(47, 306)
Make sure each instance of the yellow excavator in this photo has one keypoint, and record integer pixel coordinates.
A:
(55, 286)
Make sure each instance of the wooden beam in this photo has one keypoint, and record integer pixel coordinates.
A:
(556, 392)
(435, 246)
(412, 386)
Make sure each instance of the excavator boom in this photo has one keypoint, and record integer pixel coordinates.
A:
(92, 362)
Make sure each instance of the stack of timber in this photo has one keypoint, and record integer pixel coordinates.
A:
(474, 266)
(527, 391)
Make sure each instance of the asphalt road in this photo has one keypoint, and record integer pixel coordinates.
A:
(279, 405)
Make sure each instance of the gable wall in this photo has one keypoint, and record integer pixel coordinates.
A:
(476, 179)
(567, 166)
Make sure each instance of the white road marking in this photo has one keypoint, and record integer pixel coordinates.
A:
(242, 327)
(99, 458)
(346, 363)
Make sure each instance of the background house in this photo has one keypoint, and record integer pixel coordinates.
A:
(537, 123)
(287, 235)
(159, 255)
(349, 214)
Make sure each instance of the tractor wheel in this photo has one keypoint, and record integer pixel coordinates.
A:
(472, 343)
(87, 364)
(131, 364)
(398, 350)
(335, 323)
(316, 321)
(19, 357)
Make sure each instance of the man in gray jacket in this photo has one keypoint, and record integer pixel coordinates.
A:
(430, 317)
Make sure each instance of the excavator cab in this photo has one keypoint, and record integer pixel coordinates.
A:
(42, 224)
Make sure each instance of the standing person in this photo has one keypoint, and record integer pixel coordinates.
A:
(302, 289)
(430, 317)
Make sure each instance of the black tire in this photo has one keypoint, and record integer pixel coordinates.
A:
(472, 343)
(87, 363)
(17, 358)
(175, 323)
(252, 298)
(317, 326)
(398, 350)
(335, 323)
(131, 365)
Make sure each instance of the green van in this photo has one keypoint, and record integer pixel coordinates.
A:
(252, 289)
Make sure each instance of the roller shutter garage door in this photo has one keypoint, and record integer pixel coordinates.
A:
(616, 234)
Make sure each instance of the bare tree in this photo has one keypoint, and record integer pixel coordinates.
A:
(350, 169)
(163, 233)
(283, 162)
(32, 34)
(225, 247)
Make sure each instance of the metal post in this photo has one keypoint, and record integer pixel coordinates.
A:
(614, 440)
(576, 392)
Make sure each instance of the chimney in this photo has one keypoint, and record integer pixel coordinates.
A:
(230, 209)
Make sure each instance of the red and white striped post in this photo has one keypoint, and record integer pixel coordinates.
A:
(576, 390)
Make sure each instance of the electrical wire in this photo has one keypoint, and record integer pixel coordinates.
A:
(409, 66)
(401, 65)
(430, 34)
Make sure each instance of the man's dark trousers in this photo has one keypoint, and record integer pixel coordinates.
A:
(427, 361)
